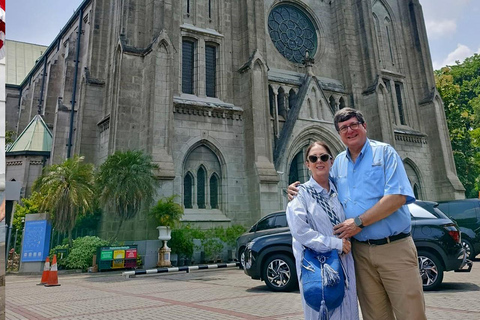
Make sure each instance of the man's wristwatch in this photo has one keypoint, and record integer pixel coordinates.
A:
(358, 222)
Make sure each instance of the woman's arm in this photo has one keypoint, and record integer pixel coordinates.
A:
(303, 232)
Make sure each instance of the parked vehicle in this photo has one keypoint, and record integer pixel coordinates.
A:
(272, 223)
(437, 239)
(466, 213)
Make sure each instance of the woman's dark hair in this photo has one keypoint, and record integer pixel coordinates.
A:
(345, 114)
(318, 143)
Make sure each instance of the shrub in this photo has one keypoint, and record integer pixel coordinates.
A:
(182, 241)
(82, 251)
(60, 262)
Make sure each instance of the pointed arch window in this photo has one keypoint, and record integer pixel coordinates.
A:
(271, 99)
(297, 168)
(201, 188)
(214, 191)
(331, 100)
(188, 191)
(292, 99)
(282, 109)
(202, 182)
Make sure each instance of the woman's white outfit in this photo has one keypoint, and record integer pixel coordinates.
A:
(317, 233)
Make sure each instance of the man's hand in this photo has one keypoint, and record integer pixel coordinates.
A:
(293, 190)
(346, 229)
(346, 246)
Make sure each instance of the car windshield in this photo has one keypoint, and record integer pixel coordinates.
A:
(419, 212)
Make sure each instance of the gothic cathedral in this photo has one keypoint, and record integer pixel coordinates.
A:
(225, 95)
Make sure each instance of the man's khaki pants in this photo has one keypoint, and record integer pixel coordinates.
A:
(388, 280)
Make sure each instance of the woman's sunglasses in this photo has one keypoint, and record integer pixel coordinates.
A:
(324, 157)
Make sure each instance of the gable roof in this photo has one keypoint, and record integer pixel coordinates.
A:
(36, 138)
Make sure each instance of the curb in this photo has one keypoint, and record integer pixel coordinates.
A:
(187, 269)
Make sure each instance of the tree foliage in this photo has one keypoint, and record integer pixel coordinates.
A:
(167, 212)
(28, 205)
(68, 191)
(459, 87)
(126, 184)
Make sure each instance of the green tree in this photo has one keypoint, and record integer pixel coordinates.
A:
(459, 87)
(27, 205)
(68, 191)
(126, 184)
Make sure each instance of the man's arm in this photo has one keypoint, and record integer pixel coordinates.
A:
(293, 190)
(383, 208)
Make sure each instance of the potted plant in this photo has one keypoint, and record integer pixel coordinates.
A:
(167, 213)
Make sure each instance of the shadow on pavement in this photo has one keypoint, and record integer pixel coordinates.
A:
(264, 288)
(458, 286)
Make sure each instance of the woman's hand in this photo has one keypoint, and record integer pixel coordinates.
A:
(346, 246)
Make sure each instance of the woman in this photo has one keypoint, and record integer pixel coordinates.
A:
(317, 232)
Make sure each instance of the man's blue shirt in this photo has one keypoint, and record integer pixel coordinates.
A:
(377, 171)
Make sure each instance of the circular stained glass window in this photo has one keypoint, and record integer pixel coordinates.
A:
(292, 32)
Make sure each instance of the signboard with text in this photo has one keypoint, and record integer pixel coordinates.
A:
(36, 240)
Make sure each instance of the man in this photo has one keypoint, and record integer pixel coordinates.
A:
(373, 188)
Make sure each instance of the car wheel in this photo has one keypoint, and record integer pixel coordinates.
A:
(467, 245)
(431, 270)
(241, 257)
(279, 273)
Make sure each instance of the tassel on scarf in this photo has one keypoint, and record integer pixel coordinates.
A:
(323, 313)
(331, 276)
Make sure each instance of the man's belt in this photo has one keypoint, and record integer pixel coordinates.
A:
(379, 242)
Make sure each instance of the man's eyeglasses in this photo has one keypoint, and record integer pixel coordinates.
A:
(324, 157)
(353, 126)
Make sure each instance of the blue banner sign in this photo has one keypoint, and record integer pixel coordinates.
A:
(36, 240)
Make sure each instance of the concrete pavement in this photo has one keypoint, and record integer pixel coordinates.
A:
(211, 294)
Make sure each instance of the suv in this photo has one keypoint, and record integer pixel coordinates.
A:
(272, 223)
(437, 239)
(467, 215)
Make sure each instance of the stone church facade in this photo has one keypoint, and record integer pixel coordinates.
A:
(226, 95)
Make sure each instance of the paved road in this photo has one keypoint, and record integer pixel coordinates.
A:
(212, 294)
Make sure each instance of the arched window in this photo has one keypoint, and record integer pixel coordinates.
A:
(401, 112)
(203, 176)
(297, 168)
(188, 191)
(342, 103)
(201, 188)
(188, 66)
(214, 191)
(211, 68)
(271, 100)
(332, 103)
(282, 109)
(292, 99)
(415, 191)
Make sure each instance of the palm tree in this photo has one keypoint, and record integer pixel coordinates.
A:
(68, 190)
(126, 184)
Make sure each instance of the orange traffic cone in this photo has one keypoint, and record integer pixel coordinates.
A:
(46, 272)
(53, 276)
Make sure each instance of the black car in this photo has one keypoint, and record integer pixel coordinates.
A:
(437, 239)
(272, 223)
(466, 213)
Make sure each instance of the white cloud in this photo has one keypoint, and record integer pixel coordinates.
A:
(440, 28)
(460, 53)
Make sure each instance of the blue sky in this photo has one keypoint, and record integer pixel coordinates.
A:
(452, 26)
